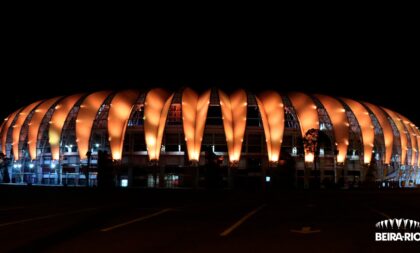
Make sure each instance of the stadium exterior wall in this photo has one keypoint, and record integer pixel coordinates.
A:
(161, 138)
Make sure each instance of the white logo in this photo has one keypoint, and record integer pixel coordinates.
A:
(397, 224)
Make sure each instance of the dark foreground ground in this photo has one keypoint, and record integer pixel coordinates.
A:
(85, 220)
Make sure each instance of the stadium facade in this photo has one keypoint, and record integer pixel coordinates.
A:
(157, 138)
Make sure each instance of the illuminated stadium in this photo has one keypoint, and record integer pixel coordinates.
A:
(157, 138)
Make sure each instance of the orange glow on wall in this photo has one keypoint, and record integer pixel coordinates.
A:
(85, 118)
(386, 129)
(62, 109)
(5, 130)
(403, 136)
(413, 138)
(194, 114)
(234, 110)
(35, 124)
(306, 112)
(118, 116)
(366, 127)
(271, 109)
(156, 110)
(21, 117)
(338, 117)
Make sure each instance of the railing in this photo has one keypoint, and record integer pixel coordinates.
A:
(48, 178)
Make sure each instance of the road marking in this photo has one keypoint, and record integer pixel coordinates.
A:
(380, 213)
(242, 220)
(136, 220)
(305, 230)
(45, 217)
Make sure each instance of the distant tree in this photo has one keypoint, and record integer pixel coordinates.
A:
(313, 140)
(310, 141)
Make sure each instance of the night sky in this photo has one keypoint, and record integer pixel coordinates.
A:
(367, 68)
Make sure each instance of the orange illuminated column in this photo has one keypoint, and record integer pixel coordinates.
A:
(418, 143)
(85, 118)
(416, 130)
(413, 138)
(21, 117)
(307, 114)
(1, 127)
(35, 123)
(271, 109)
(194, 114)
(62, 109)
(156, 110)
(1, 130)
(338, 117)
(234, 109)
(118, 116)
(403, 136)
(5, 129)
(366, 127)
(386, 130)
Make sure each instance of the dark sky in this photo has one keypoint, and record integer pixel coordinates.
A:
(367, 66)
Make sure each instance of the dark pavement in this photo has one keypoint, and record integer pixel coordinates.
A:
(48, 219)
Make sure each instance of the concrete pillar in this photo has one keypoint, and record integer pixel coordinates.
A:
(38, 173)
(321, 172)
(263, 175)
(229, 177)
(363, 170)
(196, 173)
(130, 176)
(161, 175)
(60, 174)
(345, 172)
(335, 172)
(306, 174)
(76, 178)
